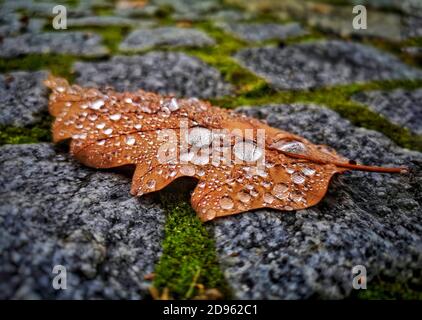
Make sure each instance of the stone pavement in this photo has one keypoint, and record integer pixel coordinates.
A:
(295, 64)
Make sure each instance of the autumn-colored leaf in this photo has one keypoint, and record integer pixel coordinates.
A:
(240, 163)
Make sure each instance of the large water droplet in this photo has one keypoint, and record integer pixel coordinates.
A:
(296, 196)
(173, 105)
(280, 190)
(130, 140)
(115, 117)
(290, 146)
(298, 178)
(199, 137)
(247, 151)
(226, 203)
(200, 159)
(268, 198)
(244, 197)
(108, 131)
(100, 125)
(210, 214)
(308, 171)
(97, 104)
(187, 170)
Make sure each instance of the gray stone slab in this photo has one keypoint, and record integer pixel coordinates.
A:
(367, 219)
(186, 6)
(61, 42)
(338, 20)
(162, 72)
(229, 15)
(324, 63)
(54, 211)
(413, 27)
(9, 23)
(23, 97)
(402, 107)
(44, 9)
(128, 10)
(263, 31)
(143, 39)
(107, 21)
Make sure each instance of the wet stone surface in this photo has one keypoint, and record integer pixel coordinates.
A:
(163, 72)
(263, 31)
(324, 63)
(400, 106)
(143, 39)
(383, 25)
(9, 23)
(54, 211)
(23, 97)
(370, 219)
(74, 43)
(105, 21)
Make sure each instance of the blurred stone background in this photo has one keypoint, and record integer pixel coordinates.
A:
(297, 64)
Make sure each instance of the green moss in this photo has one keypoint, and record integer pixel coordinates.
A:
(112, 36)
(39, 132)
(59, 65)
(220, 57)
(104, 11)
(388, 289)
(188, 257)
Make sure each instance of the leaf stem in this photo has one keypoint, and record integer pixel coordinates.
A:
(352, 166)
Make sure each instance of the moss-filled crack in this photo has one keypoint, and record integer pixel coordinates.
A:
(188, 265)
(38, 132)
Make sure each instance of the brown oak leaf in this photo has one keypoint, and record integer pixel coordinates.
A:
(240, 162)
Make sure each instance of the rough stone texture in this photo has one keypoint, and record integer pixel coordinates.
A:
(369, 219)
(406, 6)
(9, 24)
(44, 9)
(12, 24)
(263, 31)
(22, 97)
(147, 10)
(399, 106)
(143, 39)
(190, 6)
(338, 20)
(413, 27)
(76, 43)
(229, 15)
(322, 63)
(54, 211)
(163, 72)
(106, 21)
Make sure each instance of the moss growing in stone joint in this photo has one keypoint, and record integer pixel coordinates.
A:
(188, 260)
(220, 57)
(112, 35)
(59, 65)
(382, 288)
(39, 132)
